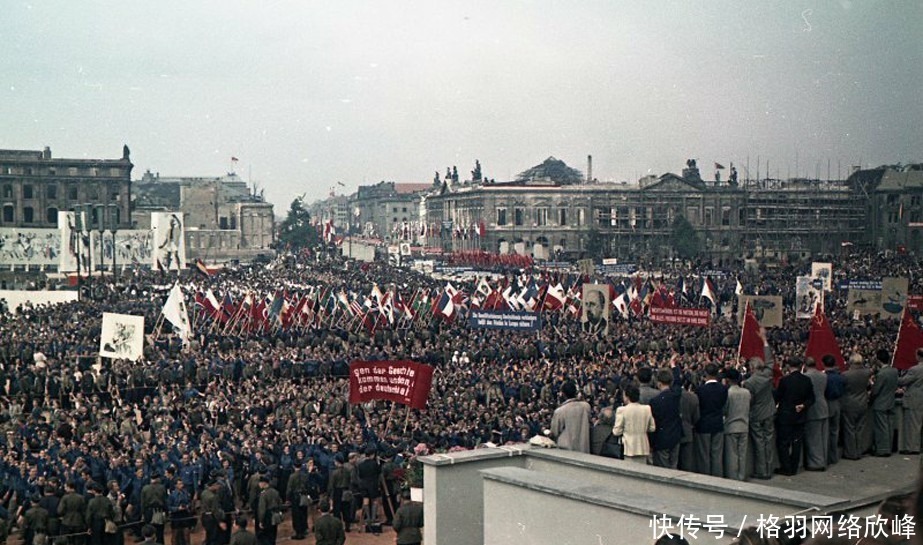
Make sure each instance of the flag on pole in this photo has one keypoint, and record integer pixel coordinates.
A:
(174, 311)
(719, 166)
(740, 288)
(751, 344)
(821, 340)
(708, 292)
(909, 340)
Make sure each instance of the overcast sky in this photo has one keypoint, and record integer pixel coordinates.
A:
(309, 93)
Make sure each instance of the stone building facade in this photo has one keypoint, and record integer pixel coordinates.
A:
(384, 208)
(34, 187)
(223, 219)
(546, 218)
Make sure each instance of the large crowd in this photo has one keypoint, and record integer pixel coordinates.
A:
(193, 432)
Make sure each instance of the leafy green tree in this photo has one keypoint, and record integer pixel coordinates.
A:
(686, 243)
(296, 231)
(595, 244)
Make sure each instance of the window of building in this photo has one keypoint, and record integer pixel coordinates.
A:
(394, 210)
(562, 216)
(501, 216)
(404, 209)
(709, 216)
(27, 192)
(7, 191)
(726, 216)
(692, 214)
(222, 222)
(581, 217)
(51, 215)
(602, 216)
(915, 200)
(518, 216)
(51, 191)
(233, 222)
(72, 192)
(8, 215)
(541, 216)
(92, 193)
(28, 214)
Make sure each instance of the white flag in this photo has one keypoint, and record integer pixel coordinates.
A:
(174, 311)
(740, 288)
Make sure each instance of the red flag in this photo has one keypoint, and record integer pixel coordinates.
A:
(751, 344)
(821, 340)
(909, 339)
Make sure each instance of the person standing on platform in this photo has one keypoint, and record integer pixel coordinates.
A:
(736, 427)
(884, 389)
(709, 431)
(855, 408)
(815, 429)
(570, 424)
(795, 395)
(762, 411)
(665, 407)
(836, 387)
(911, 385)
(689, 413)
(633, 423)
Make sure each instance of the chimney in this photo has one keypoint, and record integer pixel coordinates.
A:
(47, 153)
(589, 169)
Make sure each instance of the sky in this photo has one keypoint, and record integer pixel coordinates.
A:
(307, 94)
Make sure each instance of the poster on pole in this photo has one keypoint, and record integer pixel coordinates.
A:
(169, 248)
(824, 273)
(766, 308)
(594, 316)
(893, 296)
(863, 302)
(122, 336)
(809, 292)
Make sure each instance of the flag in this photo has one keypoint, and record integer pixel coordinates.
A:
(740, 288)
(909, 340)
(200, 266)
(821, 340)
(719, 166)
(621, 304)
(751, 344)
(555, 297)
(445, 307)
(174, 311)
(482, 229)
(233, 159)
(708, 292)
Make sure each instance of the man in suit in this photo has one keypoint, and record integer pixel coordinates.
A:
(884, 389)
(328, 530)
(645, 376)
(836, 386)
(665, 408)
(408, 520)
(736, 426)
(709, 430)
(815, 429)
(689, 413)
(854, 406)
(794, 396)
(570, 423)
(912, 386)
(633, 421)
(762, 411)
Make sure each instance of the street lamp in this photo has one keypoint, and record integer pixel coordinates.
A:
(106, 220)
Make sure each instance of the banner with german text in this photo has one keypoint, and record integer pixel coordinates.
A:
(404, 382)
(681, 316)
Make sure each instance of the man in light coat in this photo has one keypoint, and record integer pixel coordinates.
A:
(570, 424)
(736, 427)
(912, 386)
(633, 421)
(815, 429)
(762, 413)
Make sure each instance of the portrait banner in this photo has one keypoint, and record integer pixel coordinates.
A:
(766, 308)
(169, 247)
(70, 242)
(863, 302)
(699, 317)
(893, 296)
(122, 336)
(824, 273)
(404, 382)
(594, 315)
(808, 294)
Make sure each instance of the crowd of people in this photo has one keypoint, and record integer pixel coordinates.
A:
(253, 426)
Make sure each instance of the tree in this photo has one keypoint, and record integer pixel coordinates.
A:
(686, 243)
(595, 244)
(296, 231)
